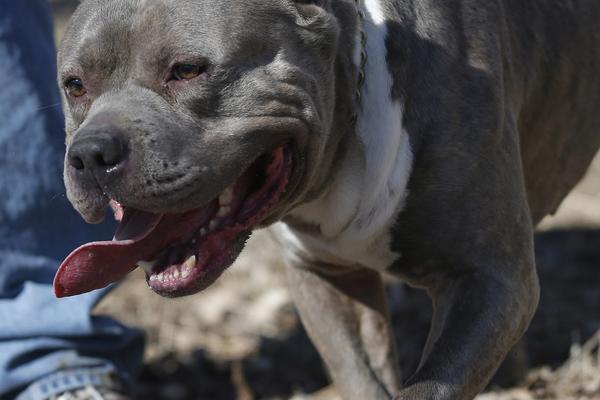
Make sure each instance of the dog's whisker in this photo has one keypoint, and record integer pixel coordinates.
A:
(56, 196)
(42, 108)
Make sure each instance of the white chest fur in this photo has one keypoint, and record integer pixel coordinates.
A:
(367, 191)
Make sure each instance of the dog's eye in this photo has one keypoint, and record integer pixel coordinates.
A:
(75, 88)
(186, 72)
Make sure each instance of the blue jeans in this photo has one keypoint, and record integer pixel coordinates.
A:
(40, 334)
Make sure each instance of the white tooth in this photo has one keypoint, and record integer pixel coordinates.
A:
(186, 272)
(213, 225)
(152, 278)
(147, 266)
(203, 232)
(160, 277)
(190, 263)
(223, 211)
(226, 197)
(176, 274)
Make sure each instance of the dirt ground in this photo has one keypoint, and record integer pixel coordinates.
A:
(241, 338)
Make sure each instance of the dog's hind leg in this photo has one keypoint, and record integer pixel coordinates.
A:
(346, 315)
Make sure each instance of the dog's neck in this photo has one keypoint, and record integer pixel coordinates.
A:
(367, 185)
(361, 56)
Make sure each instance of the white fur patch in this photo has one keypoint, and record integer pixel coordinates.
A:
(368, 190)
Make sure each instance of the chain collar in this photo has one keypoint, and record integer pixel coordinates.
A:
(363, 61)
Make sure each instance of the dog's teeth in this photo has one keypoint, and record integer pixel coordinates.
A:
(147, 266)
(213, 225)
(223, 211)
(226, 197)
(190, 263)
(203, 232)
(182, 271)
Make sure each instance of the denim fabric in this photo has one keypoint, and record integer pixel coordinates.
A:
(40, 334)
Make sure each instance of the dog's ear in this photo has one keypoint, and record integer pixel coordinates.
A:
(311, 11)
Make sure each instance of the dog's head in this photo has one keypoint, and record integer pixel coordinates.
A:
(196, 120)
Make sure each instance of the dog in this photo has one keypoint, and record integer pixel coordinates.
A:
(418, 139)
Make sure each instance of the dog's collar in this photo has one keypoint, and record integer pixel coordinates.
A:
(362, 62)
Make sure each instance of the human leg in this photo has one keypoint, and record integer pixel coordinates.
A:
(38, 333)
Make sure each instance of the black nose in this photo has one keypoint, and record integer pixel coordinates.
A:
(99, 153)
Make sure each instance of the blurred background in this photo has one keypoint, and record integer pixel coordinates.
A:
(241, 338)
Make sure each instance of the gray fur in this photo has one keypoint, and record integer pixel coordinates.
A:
(271, 81)
(501, 104)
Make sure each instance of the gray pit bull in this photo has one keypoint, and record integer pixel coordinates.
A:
(420, 139)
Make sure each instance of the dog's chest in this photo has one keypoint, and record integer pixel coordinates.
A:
(355, 215)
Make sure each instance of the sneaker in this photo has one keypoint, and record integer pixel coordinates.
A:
(99, 383)
(90, 393)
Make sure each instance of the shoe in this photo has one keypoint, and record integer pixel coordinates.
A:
(90, 393)
(99, 383)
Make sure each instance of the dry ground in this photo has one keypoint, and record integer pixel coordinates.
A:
(241, 338)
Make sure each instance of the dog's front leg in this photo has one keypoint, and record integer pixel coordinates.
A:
(345, 313)
(478, 318)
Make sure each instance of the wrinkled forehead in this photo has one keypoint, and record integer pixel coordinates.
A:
(111, 31)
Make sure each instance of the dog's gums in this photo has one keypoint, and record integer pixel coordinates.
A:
(181, 253)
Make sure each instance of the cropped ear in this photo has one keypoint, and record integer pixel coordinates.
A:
(311, 11)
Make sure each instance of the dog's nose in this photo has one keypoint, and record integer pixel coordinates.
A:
(101, 154)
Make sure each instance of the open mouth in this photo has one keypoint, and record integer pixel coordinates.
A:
(180, 253)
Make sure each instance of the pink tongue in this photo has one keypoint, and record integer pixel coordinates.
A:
(98, 264)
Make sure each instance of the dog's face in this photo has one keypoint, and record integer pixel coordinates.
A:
(196, 120)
